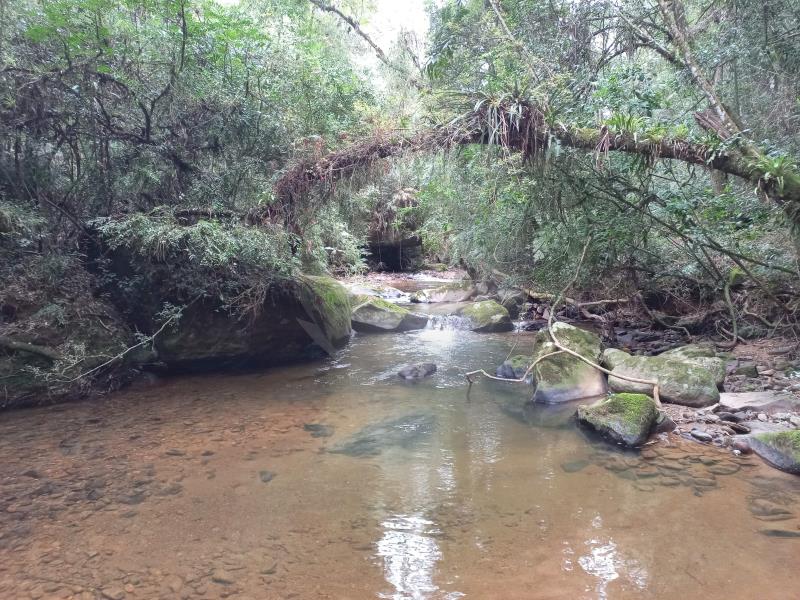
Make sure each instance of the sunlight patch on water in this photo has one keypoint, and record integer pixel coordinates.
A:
(603, 562)
(410, 554)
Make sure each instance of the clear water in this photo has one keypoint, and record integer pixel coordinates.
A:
(338, 480)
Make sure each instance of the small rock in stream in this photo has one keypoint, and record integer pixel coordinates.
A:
(780, 533)
(574, 466)
(701, 436)
(417, 371)
(222, 577)
(318, 430)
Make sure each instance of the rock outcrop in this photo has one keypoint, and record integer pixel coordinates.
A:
(626, 419)
(562, 377)
(299, 319)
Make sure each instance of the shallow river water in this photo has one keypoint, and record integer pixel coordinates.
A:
(338, 480)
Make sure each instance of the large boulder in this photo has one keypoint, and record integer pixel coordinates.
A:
(781, 448)
(487, 316)
(374, 315)
(456, 291)
(679, 382)
(298, 318)
(625, 419)
(702, 355)
(563, 377)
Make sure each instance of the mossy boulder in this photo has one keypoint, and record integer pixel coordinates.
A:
(456, 291)
(781, 448)
(613, 357)
(679, 381)
(625, 419)
(299, 319)
(374, 315)
(515, 367)
(702, 355)
(563, 377)
(487, 316)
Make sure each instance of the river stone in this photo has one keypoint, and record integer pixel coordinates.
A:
(625, 419)
(679, 382)
(768, 401)
(417, 371)
(781, 448)
(298, 318)
(564, 378)
(373, 439)
(375, 315)
(514, 367)
(487, 316)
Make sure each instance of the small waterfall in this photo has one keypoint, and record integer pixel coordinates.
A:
(448, 322)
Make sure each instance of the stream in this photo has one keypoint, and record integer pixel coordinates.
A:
(336, 479)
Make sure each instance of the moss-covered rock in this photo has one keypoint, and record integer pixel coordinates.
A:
(515, 367)
(679, 382)
(487, 316)
(781, 448)
(613, 357)
(562, 377)
(456, 291)
(327, 302)
(625, 419)
(374, 315)
(298, 318)
(702, 355)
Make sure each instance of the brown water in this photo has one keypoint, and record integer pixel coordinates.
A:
(224, 486)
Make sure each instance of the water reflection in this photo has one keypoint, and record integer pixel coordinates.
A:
(410, 552)
(604, 562)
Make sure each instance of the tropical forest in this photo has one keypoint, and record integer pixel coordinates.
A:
(400, 299)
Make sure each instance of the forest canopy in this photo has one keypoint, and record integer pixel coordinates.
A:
(239, 144)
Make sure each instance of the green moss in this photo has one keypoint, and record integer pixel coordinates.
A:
(488, 315)
(331, 301)
(382, 304)
(520, 361)
(626, 418)
(631, 408)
